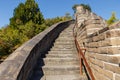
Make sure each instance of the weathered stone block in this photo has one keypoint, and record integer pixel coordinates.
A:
(113, 49)
(96, 38)
(103, 30)
(93, 50)
(97, 62)
(101, 36)
(102, 71)
(115, 41)
(92, 45)
(92, 55)
(113, 33)
(108, 58)
(117, 77)
(92, 30)
(105, 42)
(99, 76)
(112, 67)
(103, 50)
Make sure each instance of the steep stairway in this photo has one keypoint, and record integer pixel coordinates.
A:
(61, 62)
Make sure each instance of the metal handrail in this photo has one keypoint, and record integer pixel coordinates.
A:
(81, 56)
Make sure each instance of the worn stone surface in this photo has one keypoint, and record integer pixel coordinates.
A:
(117, 76)
(96, 62)
(112, 67)
(102, 71)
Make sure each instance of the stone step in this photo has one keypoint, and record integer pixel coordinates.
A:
(64, 77)
(62, 52)
(64, 49)
(65, 38)
(61, 55)
(61, 61)
(63, 43)
(63, 69)
(66, 33)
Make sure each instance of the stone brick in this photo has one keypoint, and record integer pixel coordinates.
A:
(106, 42)
(112, 67)
(103, 50)
(102, 36)
(93, 50)
(96, 62)
(113, 33)
(113, 49)
(96, 38)
(103, 30)
(102, 71)
(92, 26)
(92, 44)
(92, 55)
(92, 30)
(108, 58)
(117, 77)
(115, 41)
(99, 76)
(89, 40)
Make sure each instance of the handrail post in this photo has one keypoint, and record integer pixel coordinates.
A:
(82, 57)
(81, 66)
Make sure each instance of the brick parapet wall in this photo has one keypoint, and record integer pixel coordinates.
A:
(102, 44)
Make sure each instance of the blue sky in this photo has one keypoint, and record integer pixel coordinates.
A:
(53, 8)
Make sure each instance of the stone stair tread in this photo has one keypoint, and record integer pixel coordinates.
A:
(61, 56)
(63, 44)
(62, 52)
(64, 77)
(63, 40)
(64, 48)
(61, 59)
(67, 67)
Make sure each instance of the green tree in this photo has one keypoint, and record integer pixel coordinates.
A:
(112, 19)
(10, 39)
(25, 12)
(67, 16)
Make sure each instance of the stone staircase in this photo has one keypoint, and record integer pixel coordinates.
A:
(61, 62)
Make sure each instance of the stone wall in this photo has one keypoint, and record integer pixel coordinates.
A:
(19, 65)
(102, 44)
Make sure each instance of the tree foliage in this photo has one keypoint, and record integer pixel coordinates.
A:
(26, 22)
(112, 19)
(85, 6)
(25, 12)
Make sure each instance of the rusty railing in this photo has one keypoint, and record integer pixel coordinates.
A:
(81, 56)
